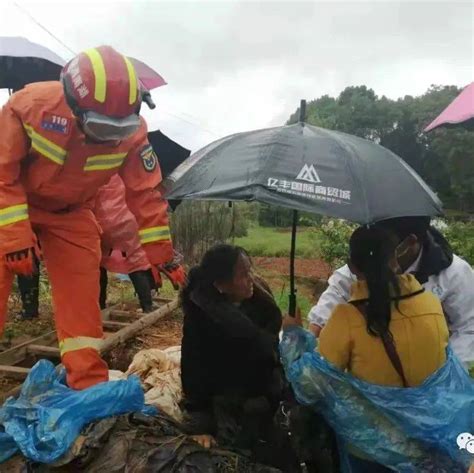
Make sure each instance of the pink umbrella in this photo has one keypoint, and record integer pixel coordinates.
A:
(459, 111)
(149, 78)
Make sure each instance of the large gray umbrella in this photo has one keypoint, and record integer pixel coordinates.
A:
(306, 168)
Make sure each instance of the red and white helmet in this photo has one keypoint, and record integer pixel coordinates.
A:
(103, 91)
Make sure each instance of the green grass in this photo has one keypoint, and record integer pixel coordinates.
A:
(302, 302)
(272, 242)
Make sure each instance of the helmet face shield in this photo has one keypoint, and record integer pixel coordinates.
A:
(102, 128)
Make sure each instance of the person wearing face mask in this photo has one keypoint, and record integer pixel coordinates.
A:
(391, 332)
(61, 141)
(425, 253)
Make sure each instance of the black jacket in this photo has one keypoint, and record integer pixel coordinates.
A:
(228, 349)
(437, 256)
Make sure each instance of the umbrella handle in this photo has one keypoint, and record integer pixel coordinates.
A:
(292, 305)
(292, 297)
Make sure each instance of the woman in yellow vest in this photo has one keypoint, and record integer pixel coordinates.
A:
(391, 332)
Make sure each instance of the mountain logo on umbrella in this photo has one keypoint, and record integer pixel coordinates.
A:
(309, 174)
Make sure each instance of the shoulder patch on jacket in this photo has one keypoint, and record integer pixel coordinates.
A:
(148, 158)
(52, 122)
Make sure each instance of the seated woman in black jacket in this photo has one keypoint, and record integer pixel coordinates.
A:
(230, 370)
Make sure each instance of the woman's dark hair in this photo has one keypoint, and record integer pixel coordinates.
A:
(371, 250)
(218, 264)
(405, 226)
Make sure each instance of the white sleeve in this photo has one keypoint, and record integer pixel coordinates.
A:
(458, 306)
(337, 293)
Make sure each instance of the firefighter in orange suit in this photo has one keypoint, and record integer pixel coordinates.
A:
(60, 142)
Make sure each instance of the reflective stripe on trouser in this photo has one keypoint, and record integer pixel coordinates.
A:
(152, 234)
(78, 343)
(71, 250)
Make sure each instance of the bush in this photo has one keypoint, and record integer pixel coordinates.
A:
(198, 225)
(333, 241)
(461, 238)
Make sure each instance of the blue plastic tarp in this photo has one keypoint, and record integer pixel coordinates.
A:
(407, 429)
(46, 418)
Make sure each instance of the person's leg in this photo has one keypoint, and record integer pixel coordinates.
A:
(103, 288)
(71, 248)
(141, 284)
(313, 440)
(6, 280)
(29, 294)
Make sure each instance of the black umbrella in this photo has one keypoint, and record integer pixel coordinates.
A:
(23, 62)
(306, 168)
(170, 155)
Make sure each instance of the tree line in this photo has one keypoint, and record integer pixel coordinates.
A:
(444, 158)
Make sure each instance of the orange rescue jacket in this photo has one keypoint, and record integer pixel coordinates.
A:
(47, 162)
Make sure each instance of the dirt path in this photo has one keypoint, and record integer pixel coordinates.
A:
(309, 268)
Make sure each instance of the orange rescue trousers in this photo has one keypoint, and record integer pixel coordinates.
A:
(70, 243)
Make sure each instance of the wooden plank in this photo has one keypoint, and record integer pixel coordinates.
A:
(122, 315)
(18, 353)
(106, 312)
(165, 300)
(15, 372)
(137, 326)
(12, 392)
(111, 341)
(114, 326)
(43, 350)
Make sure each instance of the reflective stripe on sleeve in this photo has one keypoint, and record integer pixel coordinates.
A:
(100, 162)
(13, 214)
(46, 147)
(152, 234)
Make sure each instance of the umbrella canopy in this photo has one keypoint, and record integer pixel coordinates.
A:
(459, 112)
(306, 168)
(149, 78)
(23, 62)
(170, 154)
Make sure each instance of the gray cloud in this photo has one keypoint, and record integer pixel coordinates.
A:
(238, 65)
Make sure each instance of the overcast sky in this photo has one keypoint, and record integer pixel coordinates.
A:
(238, 65)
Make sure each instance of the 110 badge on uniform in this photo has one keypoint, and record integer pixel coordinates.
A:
(52, 122)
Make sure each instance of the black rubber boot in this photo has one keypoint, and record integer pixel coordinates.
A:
(29, 294)
(141, 284)
(103, 288)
